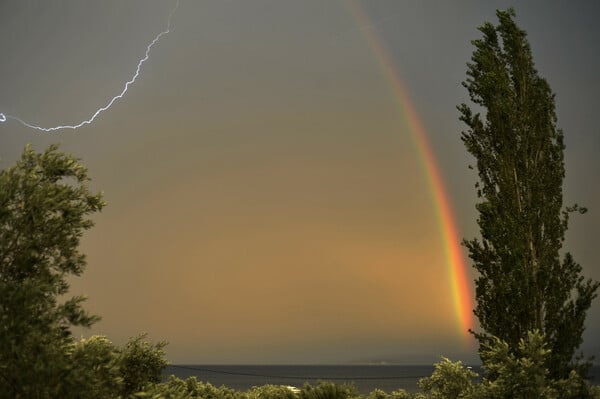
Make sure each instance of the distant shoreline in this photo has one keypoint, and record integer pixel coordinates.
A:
(365, 377)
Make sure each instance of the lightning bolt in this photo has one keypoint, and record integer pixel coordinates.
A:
(5, 117)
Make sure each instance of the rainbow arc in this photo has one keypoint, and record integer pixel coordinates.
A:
(457, 271)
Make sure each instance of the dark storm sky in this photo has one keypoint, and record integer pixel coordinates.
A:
(266, 204)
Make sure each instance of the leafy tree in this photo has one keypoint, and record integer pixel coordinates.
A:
(523, 284)
(45, 206)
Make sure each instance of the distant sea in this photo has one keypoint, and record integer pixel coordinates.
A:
(364, 377)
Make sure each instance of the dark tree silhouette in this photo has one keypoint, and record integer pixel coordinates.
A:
(523, 284)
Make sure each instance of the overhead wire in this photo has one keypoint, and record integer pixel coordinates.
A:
(295, 377)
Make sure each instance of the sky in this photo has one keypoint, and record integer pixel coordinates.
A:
(268, 199)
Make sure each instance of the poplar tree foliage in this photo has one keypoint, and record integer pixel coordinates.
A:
(45, 205)
(524, 284)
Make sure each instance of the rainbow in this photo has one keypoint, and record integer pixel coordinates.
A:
(461, 295)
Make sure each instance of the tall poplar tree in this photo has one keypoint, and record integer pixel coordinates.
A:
(523, 282)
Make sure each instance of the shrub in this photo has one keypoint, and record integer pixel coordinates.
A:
(176, 388)
(378, 394)
(328, 390)
(448, 381)
(141, 363)
(272, 392)
(523, 374)
(95, 365)
(400, 394)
